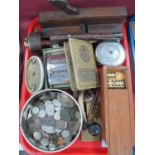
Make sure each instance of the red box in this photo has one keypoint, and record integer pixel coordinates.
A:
(78, 148)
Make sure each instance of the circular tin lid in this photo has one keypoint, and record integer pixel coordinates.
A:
(110, 53)
(34, 75)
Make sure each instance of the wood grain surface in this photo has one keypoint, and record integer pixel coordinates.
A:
(117, 115)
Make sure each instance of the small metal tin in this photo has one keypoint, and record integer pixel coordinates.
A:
(110, 53)
(34, 123)
(94, 129)
(34, 75)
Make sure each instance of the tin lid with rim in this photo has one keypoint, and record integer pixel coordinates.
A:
(110, 53)
(34, 75)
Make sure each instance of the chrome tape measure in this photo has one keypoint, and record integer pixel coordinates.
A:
(110, 53)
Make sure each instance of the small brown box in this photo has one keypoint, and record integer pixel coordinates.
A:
(117, 111)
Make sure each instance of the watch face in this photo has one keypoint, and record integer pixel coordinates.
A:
(34, 74)
(110, 53)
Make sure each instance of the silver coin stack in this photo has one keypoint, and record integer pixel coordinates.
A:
(53, 121)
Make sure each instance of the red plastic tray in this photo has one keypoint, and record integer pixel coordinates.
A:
(78, 148)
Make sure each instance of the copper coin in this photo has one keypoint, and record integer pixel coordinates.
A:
(60, 141)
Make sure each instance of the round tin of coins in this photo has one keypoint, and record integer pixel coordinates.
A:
(34, 74)
(94, 129)
(50, 127)
(110, 53)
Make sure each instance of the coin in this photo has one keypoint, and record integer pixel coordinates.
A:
(32, 141)
(34, 122)
(43, 147)
(43, 97)
(45, 135)
(34, 110)
(65, 100)
(60, 124)
(42, 113)
(57, 103)
(40, 105)
(73, 112)
(67, 140)
(77, 115)
(65, 133)
(65, 114)
(49, 107)
(48, 103)
(51, 147)
(57, 109)
(74, 126)
(50, 121)
(57, 116)
(58, 130)
(59, 141)
(44, 141)
(47, 129)
(52, 95)
(37, 135)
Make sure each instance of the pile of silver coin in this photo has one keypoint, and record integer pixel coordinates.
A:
(53, 121)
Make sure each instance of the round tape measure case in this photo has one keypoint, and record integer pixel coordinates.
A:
(110, 53)
(34, 75)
